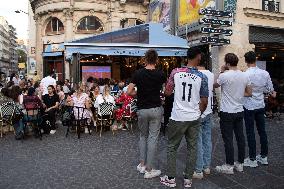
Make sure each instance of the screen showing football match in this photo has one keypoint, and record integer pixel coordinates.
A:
(96, 72)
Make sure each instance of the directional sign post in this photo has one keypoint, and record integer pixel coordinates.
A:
(214, 26)
(215, 22)
(216, 13)
(220, 31)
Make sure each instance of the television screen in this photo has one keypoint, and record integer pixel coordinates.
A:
(96, 72)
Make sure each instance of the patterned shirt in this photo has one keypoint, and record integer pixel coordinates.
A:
(260, 83)
(189, 86)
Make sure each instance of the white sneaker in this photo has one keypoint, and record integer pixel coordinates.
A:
(168, 182)
(197, 175)
(187, 183)
(52, 132)
(86, 130)
(42, 131)
(207, 171)
(239, 166)
(250, 163)
(226, 169)
(141, 169)
(151, 174)
(262, 160)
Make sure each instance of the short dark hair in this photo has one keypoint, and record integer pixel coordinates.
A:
(231, 59)
(250, 57)
(151, 56)
(51, 86)
(203, 60)
(193, 52)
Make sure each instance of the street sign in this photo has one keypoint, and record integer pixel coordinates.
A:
(214, 40)
(217, 13)
(215, 22)
(219, 31)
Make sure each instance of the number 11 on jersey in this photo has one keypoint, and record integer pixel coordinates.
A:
(185, 85)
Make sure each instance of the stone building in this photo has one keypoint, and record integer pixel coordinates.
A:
(8, 53)
(4, 45)
(13, 55)
(59, 21)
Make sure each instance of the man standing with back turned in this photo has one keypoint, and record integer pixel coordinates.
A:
(149, 83)
(254, 110)
(190, 101)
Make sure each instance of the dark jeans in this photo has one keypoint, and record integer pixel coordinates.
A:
(233, 123)
(51, 116)
(256, 116)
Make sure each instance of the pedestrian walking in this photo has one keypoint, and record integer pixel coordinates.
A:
(254, 110)
(190, 101)
(234, 86)
(148, 81)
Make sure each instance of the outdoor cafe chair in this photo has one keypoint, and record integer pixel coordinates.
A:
(105, 116)
(33, 117)
(132, 108)
(78, 119)
(8, 113)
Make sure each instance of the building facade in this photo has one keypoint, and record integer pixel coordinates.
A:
(13, 57)
(258, 25)
(8, 53)
(53, 22)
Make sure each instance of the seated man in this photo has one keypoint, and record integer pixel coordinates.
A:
(51, 103)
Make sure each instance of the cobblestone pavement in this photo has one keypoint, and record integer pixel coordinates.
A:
(57, 162)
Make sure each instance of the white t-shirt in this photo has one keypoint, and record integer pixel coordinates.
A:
(189, 85)
(45, 82)
(233, 84)
(100, 100)
(210, 77)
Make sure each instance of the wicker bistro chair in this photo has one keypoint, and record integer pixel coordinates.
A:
(132, 107)
(78, 119)
(8, 112)
(105, 116)
(33, 117)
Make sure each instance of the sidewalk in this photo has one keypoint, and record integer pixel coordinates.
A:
(110, 162)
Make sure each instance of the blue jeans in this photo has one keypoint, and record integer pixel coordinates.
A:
(256, 116)
(204, 144)
(19, 127)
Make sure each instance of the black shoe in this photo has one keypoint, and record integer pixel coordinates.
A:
(19, 136)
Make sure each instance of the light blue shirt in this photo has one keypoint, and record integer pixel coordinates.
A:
(261, 83)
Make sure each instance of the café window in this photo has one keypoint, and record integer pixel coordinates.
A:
(54, 26)
(271, 5)
(89, 24)
(128, 22)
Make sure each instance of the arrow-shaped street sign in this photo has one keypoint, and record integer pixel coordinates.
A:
(214, 40)
(217, 13)
(215, 22)
(207, 30)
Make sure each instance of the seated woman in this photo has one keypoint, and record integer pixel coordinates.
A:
(105, 97)
(14, 93)
(80, 99)
(51, 103)
(125, 100)
(32, 105)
